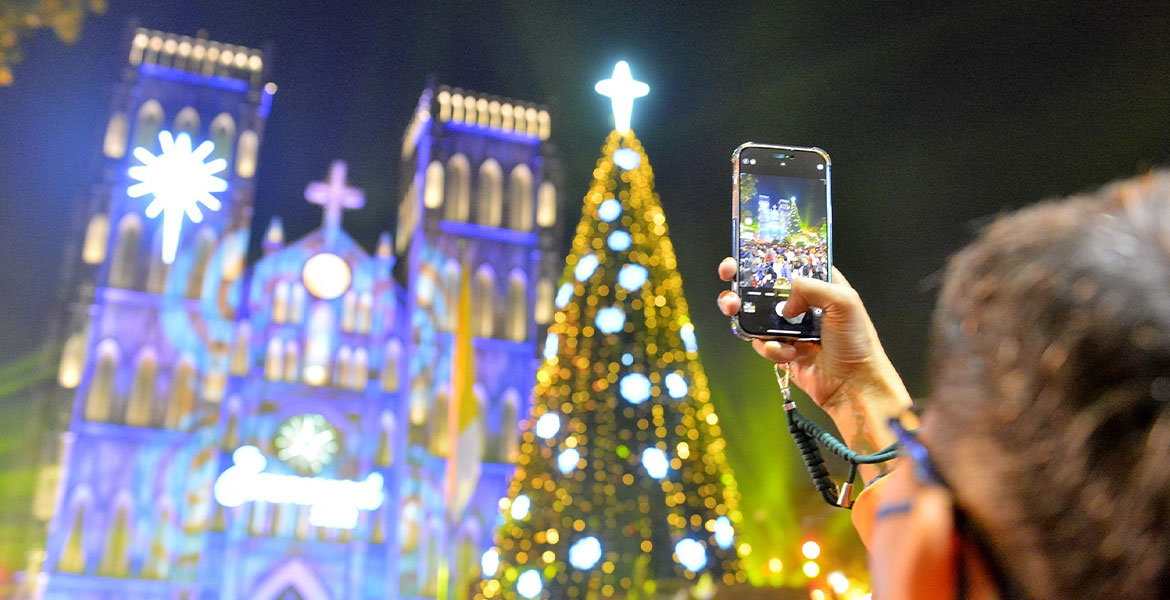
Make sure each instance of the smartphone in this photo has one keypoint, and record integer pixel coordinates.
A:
(782, 229)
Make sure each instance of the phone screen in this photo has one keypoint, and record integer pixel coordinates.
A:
(784, 224)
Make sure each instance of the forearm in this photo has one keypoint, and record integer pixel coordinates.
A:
(861, 409)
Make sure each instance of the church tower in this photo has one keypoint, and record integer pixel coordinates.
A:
(479, 200)
(147, 352)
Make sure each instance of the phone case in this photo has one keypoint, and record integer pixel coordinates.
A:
(735, 328)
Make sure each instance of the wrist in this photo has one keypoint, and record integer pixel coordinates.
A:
(861, 407)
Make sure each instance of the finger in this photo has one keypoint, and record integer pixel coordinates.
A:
(838, 277)
(728, 303)
(727, 269)
(809, 293)
(774, 351)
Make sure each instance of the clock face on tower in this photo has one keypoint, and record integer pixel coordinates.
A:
(306, 443)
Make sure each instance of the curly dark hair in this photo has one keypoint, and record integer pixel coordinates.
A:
(1051, 408)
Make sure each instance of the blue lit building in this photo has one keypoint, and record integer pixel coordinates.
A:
(279, 430)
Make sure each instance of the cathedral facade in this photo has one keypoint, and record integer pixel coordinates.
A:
(282, 428)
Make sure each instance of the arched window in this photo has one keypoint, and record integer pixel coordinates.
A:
(147, 125)
(280, 302)
(546, 205)
(419, 393)
(318, 351)
(509, 446)
(516, 327)
(440, 444)
(457, 188)
(274, 359)
(544, 301)
(72, 360)
(239, 361)
(482, 302)
(433, 188)
(141, 403)
(223, 135)
(292, 359)
(246, 155)
(360, 371)
(296, 307)
(384, 455)
(100, 396)
(181, 403)
(390, 366)
(520, 198)
(115, 561)
(97, 235)
(156, 273)
(489, 201)
(117, 130)
(365, 312)
(187, 121)
(204, 247)
(341, 367)
(124, 266)
(73, 555)
(349, 311)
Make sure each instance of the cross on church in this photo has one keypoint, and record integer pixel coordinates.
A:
(334, 196)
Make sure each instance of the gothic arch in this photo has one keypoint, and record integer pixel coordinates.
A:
(516, 325)
(100, 397)
(147, 124)
(509, 440)
(97, 235)
(223, 135)
(391, 358)
(124, 263)
(140, 406)
(72, 361)
(187, 121)
(246, 154)
(181, 400)
(546, 205)
(489, 201)
(483, 305)
(433, 186)
(520, 198)
(204, 249)
(114, 144)
(457, 189)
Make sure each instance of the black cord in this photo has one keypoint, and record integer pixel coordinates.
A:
(807, 435)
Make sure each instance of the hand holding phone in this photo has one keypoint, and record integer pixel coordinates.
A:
(781, 230)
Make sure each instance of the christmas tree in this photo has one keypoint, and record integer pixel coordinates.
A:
(622, 490)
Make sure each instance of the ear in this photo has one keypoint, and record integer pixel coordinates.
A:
(918, 559)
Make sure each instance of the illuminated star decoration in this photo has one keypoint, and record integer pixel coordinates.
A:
(306, 442)
(179, 180)
(621, 89)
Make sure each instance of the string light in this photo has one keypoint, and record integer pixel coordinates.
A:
(635, 427)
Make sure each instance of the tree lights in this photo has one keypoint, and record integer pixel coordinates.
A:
(629, 495)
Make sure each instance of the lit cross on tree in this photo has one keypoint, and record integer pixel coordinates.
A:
(621, 88)
(334, 196)
(180, 181)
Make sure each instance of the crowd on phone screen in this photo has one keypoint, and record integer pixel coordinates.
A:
(775, 264)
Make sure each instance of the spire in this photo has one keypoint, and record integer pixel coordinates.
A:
(385, 248)
(274, 236)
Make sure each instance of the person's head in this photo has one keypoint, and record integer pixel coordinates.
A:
(1049, 414)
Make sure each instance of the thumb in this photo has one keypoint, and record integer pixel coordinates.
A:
(834, 298)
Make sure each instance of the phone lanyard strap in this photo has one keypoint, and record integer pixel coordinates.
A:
(807, 435)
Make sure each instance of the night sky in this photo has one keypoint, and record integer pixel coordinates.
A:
(936, 119)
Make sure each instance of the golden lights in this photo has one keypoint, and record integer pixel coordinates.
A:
(610, 494)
